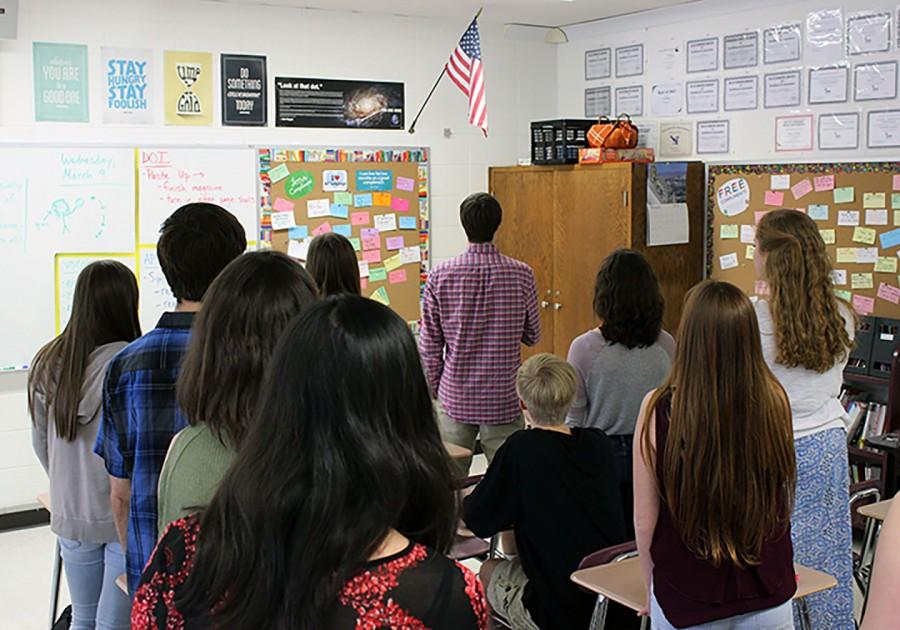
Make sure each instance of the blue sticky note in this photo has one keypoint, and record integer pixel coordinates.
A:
(341, 212)
(374, 180)
(407, 223)
(298, 233)
(890, 239)
(363, 201)
(343, 230)
(818, 212)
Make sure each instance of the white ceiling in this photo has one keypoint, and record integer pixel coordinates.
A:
(539, 12)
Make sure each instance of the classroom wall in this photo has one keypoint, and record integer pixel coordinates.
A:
(520, 79)
(752, 132)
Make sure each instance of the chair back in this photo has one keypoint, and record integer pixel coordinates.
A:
(608, 554)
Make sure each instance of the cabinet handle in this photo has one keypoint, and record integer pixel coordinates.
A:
(557, 306)
(624, 197)
(544, 303)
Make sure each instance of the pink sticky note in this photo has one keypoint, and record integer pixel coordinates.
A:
(801, 188)
(399, 204)
(363, 283)
(371, 238)
(405, 183)
(324, 228)
(398, 275)
(372, 255)
(774, 198)
(395, 242)
(824, 182)
(863, 305)
(282, 205)
(761, 288)
(889, 293)
(359, 218)
(896, 182)
(759, 215)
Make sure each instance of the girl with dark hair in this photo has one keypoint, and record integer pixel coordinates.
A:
(625, 357)
(64, 398)
(339, 503)
(333, 264)
(244, 312)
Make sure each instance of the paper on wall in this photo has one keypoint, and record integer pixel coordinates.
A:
(667, 224)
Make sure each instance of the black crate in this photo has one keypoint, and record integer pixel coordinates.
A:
(885, 339)
(558, 141)
(860, 356)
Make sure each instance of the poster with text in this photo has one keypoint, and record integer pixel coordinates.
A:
(243, 90)
(301, 102)
(188, 85)
(60, 82)
(128, 91)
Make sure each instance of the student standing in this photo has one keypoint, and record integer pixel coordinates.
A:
(244, 312)
(625, 357)
(807, 334)
(339, 505)
(477, 310)
(140, 412)
(714, 476)
(332, 263)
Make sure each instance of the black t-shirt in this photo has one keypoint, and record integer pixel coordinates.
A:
(560, 494)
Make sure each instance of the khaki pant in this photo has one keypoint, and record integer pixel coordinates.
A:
(492, 438)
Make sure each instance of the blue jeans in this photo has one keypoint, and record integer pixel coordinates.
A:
(778, 618)
(91, 572)
(622, 452)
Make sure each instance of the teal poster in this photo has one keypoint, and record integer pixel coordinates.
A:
(60, 82)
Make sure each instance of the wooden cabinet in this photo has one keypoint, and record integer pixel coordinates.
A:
(564, 220)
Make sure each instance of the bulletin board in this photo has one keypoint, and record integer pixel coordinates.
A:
(378, 198)
(855, 205)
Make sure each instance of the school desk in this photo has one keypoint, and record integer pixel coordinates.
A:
(875, 513)
(457, 452)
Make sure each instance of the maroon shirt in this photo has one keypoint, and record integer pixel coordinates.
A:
(690, 590)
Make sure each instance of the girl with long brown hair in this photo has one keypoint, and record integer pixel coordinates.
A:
(714, 476)
(806, 334)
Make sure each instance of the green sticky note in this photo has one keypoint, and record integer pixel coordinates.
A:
(381, 295)
(844, 295)
(357, 246)
(844, 195)
(886, 264)
(343, 199)
(377, 274)
(874, 200)
(895, 201)
(299, 183)
(729, 230)
(278, 173)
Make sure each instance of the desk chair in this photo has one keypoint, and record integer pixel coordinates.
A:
(861, 568)
(874, 513)
(616, 553)
(55, 580)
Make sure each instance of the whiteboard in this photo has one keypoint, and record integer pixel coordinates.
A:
(68, 267)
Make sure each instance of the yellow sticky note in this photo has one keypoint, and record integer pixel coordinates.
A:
(750, 253)
(729, 230)
(886, 264)
(896, 217)
(381, 295)
(846, 254)
(393, 262)
(864, 235)
(895, 200)
(827, 236)
(861, 281)
(874, 200)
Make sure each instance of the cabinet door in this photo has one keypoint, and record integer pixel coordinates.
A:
(526, 196)
(591, 219)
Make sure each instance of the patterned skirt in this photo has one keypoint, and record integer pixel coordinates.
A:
(820, 525)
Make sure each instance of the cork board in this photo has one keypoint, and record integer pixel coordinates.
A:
(378, 198)
(857, 209)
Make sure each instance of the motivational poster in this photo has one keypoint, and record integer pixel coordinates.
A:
(127, 82)
(243, 90)
(60, 82)
(188, 86)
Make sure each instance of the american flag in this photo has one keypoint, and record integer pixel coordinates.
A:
(467, 72)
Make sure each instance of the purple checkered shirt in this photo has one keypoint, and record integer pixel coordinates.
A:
(478, 308)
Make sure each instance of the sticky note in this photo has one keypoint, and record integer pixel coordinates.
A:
(381, 199)
(890, 239)
(363, 269)
(896, 217)
(839, 277)
(298, 233)
(359, 218)
(407, 223)
(410, 254)
(405, 183)
(748, 233)
(896, 185)
(323, 228)
(278, 173)
(844, 295)
(863, 305)
(774, 198)
(393, 262)
(823, 183)
(865, 255)
(728, 230)
(817, 212)
(750, 252)
(886, 264)
(377, 274)
(846, 254)
(728, 261)
(864, 235)
(396, 276)
(357, 244)
(844, 195)
(343, 198)
(827, 236)
(895, 201)
(298, 249)
(889, 292)
(848, 217)
(381, 295)
(363, 201)
(876, 217)
(780, 182)
(761, 287)
(318, 208)
(399, 204)
(801, 188)
(874, 200)
(344, 230)
(363, 284)
(339, 212)
(757, 216)
(386, 222)
(371, 239)
(282, 220)
(282, 205)
(394, 243)
(372, 255)
(861, 281)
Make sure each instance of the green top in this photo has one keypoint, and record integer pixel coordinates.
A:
(191, 474)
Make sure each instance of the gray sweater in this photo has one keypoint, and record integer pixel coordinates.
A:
(79, 485)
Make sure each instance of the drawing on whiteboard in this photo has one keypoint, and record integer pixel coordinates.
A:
(61, 212)
(13, 213)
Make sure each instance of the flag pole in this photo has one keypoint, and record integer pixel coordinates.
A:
(412, 127)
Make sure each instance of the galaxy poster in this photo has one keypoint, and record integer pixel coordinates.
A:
(243, 90)
(333, 103)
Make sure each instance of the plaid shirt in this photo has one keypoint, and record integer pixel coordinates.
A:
(140, 418)
(477, 310)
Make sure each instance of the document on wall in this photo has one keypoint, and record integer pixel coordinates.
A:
(782, 89)
(741, 93)
(839, 131)
(884, 129)
(824, 37)
(875, 81)
(667, 59)
(713, 136)
(794, 133)
(676, 139)
(598, 64)
(703, 55)
(629, 60)
(703, 96)
(667, 99)
(828, 85)
(868, 33)
(630, 100)
(597, 102)
(668, 224)
(648, 134)
(741, 50)
(781, 43)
